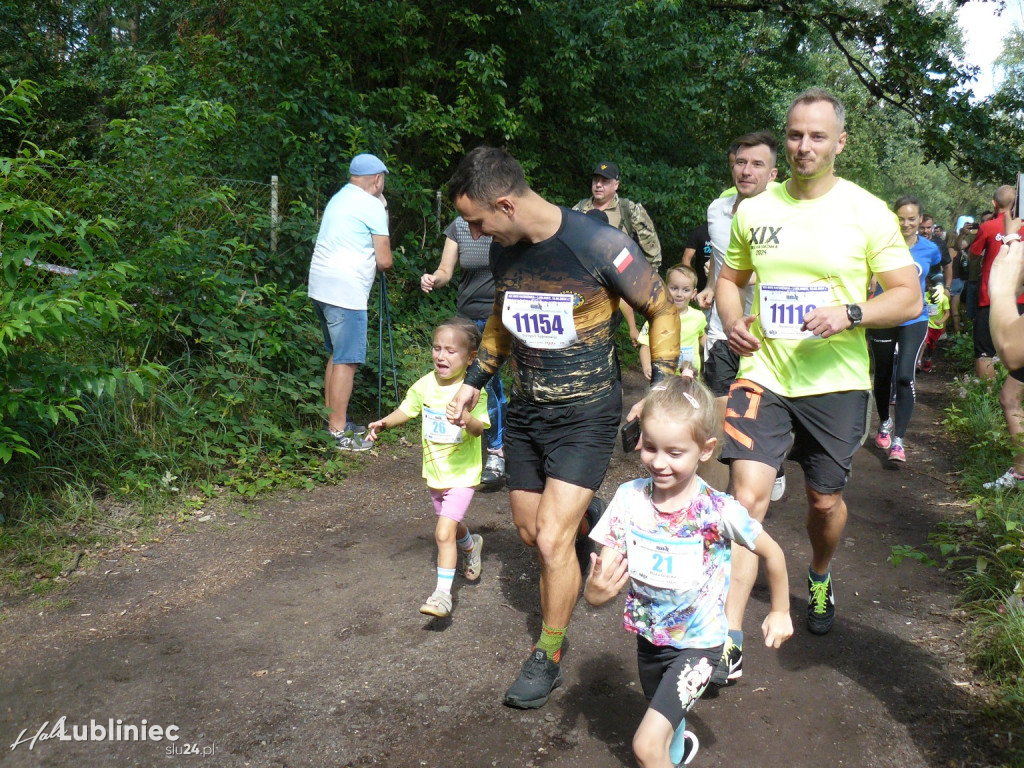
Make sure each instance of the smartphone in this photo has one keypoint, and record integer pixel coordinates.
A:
(1016, 201)
(630, 435)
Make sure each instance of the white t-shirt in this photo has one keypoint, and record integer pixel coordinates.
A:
(343, 266)
(719, 227)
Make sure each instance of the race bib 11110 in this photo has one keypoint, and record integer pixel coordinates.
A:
(784, 307)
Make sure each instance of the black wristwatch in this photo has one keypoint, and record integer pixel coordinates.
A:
(855, 315)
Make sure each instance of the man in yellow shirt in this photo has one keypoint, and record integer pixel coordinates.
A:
(814, 242)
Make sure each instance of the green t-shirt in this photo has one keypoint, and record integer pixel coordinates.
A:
(451, 456)
(691, 327)
(815, 253)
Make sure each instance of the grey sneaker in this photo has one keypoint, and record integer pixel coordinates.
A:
(1009, 479)
(355, 429)
(438, 604)
(472, 562)
(348, 442)
(494, 471)
(537, 679)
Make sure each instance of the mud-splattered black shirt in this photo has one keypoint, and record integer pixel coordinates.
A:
(595, 265)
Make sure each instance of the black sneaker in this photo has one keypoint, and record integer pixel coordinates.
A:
(537, 679)
(821, 605)
(730, 666)
(493, 474)
(594, 512)
(689, 745)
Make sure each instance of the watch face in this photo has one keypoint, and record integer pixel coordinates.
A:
(854, 313)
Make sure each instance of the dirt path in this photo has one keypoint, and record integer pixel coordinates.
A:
(293, 639)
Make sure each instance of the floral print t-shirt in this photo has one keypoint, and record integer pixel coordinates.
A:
(678, 562)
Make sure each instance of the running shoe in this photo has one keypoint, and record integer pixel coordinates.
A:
(884, 437)
(472, 561)
(821, 605)
(1009, 479)
(683, 750)
(494, 471)
(594, 512)
(896, 452)
(779, 486)
(537, 679)
(438, 604)
(730, 666)
(355, 429)
(348, 442)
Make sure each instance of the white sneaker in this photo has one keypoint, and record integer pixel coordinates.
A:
(473, 560)
(438, 604)
(779, 487)
(1009, 479)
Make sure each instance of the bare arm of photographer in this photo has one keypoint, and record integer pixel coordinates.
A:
(443, 274)
(1004, 285)
(382, 252)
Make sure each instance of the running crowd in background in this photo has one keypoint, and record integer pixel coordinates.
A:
(791, 304)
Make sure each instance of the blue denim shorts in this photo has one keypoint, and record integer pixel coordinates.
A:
(344, 332)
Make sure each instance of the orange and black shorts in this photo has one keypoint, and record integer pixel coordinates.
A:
(826, 431)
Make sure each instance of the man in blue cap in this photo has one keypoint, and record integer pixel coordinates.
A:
(352, 246)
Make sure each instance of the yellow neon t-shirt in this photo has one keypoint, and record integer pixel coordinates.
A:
(691, 327)
(832, 245)
(446, 464)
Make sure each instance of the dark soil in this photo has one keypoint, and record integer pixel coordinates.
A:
(289, 635)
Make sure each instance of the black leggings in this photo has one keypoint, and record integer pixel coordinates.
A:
(896, 349)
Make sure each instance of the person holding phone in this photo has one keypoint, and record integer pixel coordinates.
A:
(1003, 294)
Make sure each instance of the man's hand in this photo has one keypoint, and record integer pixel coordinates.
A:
(635, 411)
(777, 628)
(827, 321)
(741, 340)
(427, 283)
(706, 298)
(465, 400)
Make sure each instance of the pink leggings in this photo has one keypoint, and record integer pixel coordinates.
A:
(451, 502)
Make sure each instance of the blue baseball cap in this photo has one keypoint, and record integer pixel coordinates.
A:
(366, 165)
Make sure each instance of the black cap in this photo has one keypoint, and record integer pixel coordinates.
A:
(607, 169)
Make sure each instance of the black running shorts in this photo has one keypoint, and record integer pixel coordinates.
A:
(983, 345)
(572, 443)
(827, 430)
(720, 367)
(661, 667)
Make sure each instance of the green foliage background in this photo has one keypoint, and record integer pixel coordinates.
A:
(184, 354)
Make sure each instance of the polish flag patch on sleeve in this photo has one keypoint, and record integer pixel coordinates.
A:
(623, 260)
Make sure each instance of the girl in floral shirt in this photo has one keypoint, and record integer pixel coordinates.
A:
(668, 536)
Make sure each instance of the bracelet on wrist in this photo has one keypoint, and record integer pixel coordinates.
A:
(1007, 239)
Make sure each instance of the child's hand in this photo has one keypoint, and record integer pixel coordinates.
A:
(777, 628)
(608, 575)
(373, 428)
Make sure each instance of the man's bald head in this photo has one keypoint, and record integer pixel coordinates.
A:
(1004, 197)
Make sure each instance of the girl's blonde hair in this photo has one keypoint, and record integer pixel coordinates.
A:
(685, 401)
(466, 327)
